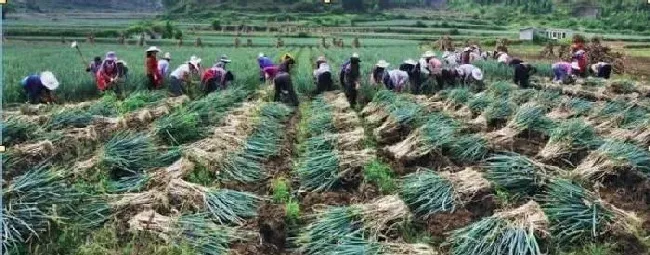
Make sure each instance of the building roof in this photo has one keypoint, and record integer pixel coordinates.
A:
(546, 29)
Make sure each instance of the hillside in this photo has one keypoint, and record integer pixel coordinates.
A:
(58, 6)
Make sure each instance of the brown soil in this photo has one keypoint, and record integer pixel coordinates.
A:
(311, 199)
(629, 192)
(482, 205)
(272, 228)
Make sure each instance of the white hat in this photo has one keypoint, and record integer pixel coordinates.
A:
(321, 59)
(382, 64)
(224, 58)
(575, 65)
(195, 61)
(153, 48)
(49, 81)
(467, 49)
(477, 74)
(410, 62)
(74, 44)
(428, 54)
(167, 55)
(355, 55)
(261, 55)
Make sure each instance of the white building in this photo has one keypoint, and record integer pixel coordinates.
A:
(529, 33)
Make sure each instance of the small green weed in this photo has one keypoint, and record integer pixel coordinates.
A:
(381, 175)
(292, 212)
(201, 175)
(281, 190)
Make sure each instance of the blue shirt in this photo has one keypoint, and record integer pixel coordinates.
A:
(264, 62)
(33, 87)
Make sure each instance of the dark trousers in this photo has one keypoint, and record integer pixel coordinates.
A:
(151, 82)
(210, 86)
(416, 81)
(175, 86)
(605, 71)
(351, 93)
(324, 82)
(284, 91)
(522, 76)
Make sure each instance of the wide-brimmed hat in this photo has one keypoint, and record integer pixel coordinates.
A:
(355, 55)
(477, 74)
(74, 44)
(321, 59)
(467, 49)
(224, 58)
(261, 55)
(167, 56)
(575, 65)
(49, 81)
(111, 56)
(410, 62)
(153, 49)
(428, 54)
(122, 62)
(195, 61)
(382, 64)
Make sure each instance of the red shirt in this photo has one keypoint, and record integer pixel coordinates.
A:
(152, 66)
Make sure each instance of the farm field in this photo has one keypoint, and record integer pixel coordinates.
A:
(546, 170)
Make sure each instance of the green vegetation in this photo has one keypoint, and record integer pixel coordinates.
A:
(281, 191)
(428, 193)
(381, 175)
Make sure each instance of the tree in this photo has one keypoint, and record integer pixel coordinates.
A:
(216, 24)
(179, 34)
(168, 32)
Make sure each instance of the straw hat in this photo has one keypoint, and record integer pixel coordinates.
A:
(467, 49)
(382, 64)
(261, 55)
(49, 81)
(428, 54)
(153, 49)
(355, 55)
(111, 56)
(410, 62)
(167, 56)
(321, 59)
(477, 74)
(74, 44)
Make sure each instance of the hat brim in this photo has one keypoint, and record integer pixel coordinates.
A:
(226, 60)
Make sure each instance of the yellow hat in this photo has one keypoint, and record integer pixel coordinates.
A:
(287, 56)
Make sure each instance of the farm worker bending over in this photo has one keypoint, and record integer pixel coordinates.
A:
(523, 71)
(183, 74)
(350, 78)
(602, 70)
(581, 58)
(107, 73)
(94, 66)
(471, 75)
(395, 80)
(215, 78)
(465, 56)
(410, 66)
(264, 62)
(163, 65)
(563, 71)
(151, 65)
(377, 75)
(40, 87)
(435, 67)
(323, 75)
(284, 91)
